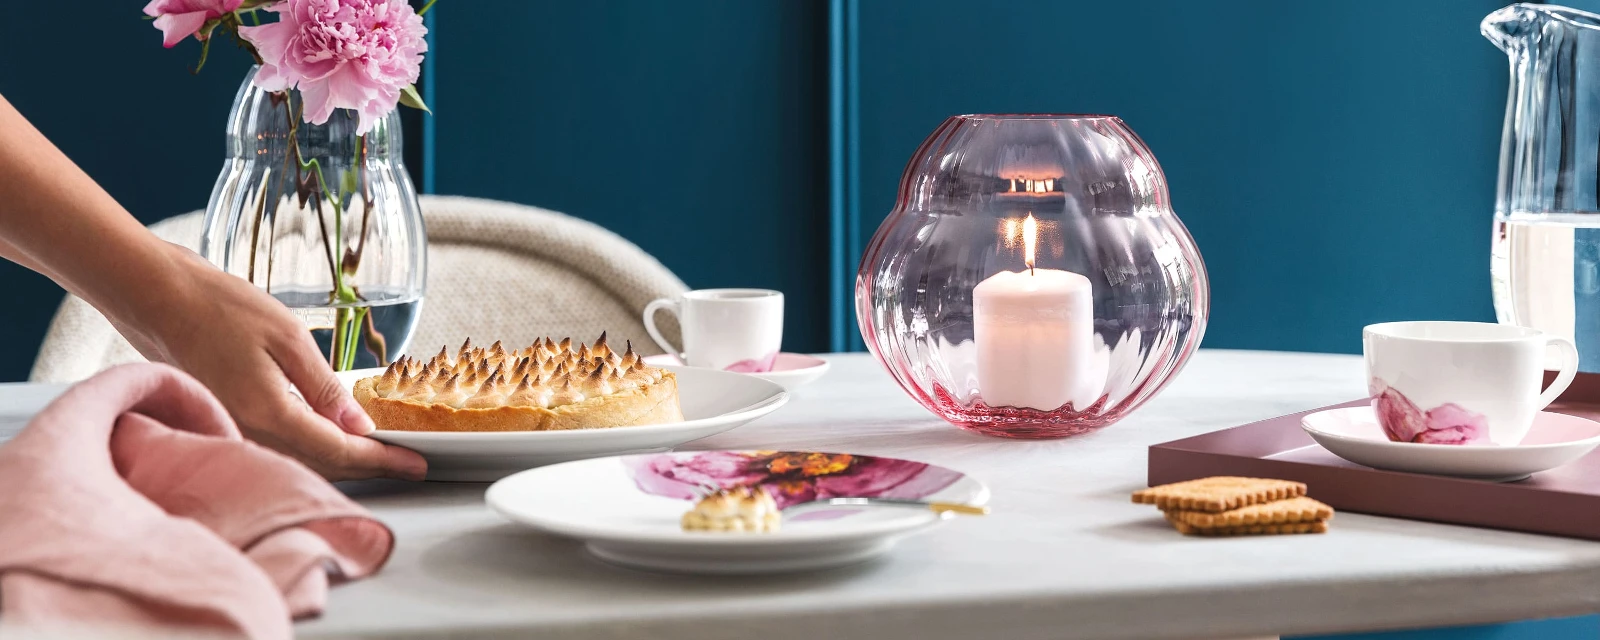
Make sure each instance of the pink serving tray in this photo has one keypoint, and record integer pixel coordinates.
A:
(1563, 501)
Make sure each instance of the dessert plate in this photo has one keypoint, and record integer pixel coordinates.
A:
(627, 509)
(791, 370)
(712, 401)
(1353, 433)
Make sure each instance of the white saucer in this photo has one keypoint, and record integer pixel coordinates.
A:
(1354, 434)
(627, 509)
(712, 401)
(792, 370)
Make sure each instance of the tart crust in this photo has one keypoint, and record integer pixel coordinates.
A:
(654, 403)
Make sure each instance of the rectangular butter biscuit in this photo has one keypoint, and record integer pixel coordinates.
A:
(1252, 530)
(1289, 511)
(1218, 494)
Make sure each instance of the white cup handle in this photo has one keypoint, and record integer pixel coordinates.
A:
(668, 304)
(1569, 370)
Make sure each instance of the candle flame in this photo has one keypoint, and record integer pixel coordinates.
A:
(1030, 240)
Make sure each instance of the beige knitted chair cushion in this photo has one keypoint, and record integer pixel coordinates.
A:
(496, 271)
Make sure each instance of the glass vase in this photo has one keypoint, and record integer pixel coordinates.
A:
(1032, 279)
(323, 219)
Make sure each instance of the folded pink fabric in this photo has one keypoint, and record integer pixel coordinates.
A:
(132, 499)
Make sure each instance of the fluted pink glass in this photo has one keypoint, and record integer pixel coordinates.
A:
(1111, 306)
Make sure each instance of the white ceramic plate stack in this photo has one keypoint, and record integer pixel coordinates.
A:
(627, 509)
(712, 401)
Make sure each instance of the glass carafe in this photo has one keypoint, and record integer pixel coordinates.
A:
(324, 219)
(1545, 252)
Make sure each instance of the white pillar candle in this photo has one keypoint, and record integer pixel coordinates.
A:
(1034, 332)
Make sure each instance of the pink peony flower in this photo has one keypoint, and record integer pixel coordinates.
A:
(1402, 421)
(791, 477)
(341, 54)
(754, 366)
(179, 19)
(1450, 423)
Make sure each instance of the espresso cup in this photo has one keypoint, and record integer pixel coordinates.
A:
(729, 329)
(1461, 382)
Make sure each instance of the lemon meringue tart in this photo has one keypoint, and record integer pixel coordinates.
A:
(548, 386)
(742, 509)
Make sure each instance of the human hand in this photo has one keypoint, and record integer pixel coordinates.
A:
(248, 349)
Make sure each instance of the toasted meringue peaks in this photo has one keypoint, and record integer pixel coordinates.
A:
(639, 374)
(596, 383)
(489, 396)
(566, 393)
(453, 392)
(388, 381)
(743, 509)
(529, 393)
(618, 382)
(400, 384)
(417, 390)
(545, 374)
(629, 358)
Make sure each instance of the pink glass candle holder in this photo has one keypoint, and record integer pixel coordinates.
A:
(1032, 280)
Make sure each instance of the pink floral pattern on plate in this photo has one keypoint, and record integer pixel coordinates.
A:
(1402, 421)
(753, 365)
(791, 477)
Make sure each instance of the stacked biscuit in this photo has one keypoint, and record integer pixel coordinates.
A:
(1231, 506)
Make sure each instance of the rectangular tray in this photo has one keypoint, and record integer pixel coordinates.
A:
(1563, 501)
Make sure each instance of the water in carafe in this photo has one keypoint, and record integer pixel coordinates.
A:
(1545, 244)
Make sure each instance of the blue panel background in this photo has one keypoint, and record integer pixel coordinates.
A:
(1335, 161)
(99, 84)
(697, 130)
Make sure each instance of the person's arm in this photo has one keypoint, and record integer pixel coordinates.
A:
(176, 308)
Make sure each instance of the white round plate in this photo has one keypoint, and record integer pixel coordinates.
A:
(712, 401)
(791, 370)
(627, 509)
(1354, 434)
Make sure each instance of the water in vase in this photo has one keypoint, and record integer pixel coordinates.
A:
(1545, 272)
(389, 319)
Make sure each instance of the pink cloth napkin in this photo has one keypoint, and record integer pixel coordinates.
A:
(132, 499)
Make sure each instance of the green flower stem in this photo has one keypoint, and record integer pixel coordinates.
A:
(347, 320)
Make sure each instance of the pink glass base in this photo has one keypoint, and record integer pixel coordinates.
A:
(1016, 422)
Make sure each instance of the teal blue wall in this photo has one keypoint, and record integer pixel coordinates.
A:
(693, 129)
(1335, 161)
(126, 110)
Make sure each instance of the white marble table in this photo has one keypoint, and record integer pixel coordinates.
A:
(1065, 554)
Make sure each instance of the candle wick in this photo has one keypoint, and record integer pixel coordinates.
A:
(1030, 268)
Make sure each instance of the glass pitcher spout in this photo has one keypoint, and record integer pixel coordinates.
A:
(1517, 26)
(1550, 147)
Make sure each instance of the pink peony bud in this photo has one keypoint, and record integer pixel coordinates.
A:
(179, 19)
